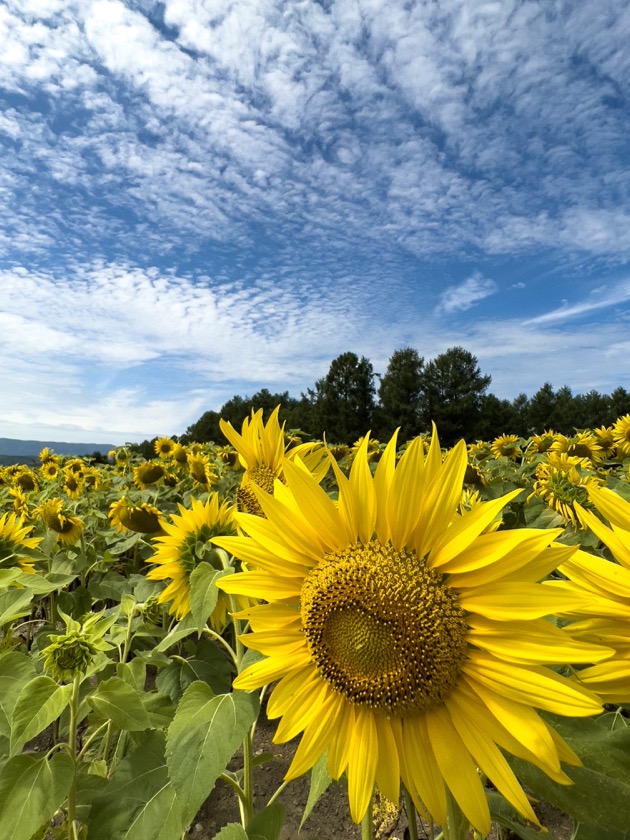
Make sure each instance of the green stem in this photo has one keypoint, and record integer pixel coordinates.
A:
(410, 808)
(128, 635)
(218, 638)
(72, 742)
(248, 779)
(277, 793)
(92, 737)
(457, 825)
(367, 823)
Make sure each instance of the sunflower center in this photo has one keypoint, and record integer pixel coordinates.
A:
(261, 476)
(383, 629)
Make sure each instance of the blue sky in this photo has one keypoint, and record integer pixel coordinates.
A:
(200, 198)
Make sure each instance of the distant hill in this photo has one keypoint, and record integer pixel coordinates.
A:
(14, 451)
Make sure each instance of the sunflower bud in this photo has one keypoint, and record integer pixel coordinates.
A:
(69, 655)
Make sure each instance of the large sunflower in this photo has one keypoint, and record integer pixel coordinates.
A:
(405, 641)
(608, 586)
(177, 554)
(621, 435)
(14, 537)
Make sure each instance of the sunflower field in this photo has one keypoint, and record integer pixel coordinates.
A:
(445, 631)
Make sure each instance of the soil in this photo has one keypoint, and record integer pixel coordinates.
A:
(330, 818)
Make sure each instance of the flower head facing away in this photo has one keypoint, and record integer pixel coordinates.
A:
(405, 640)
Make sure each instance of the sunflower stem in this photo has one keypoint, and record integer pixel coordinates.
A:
(410, 808)
(367, 823)
(457, 826)
(72, 742)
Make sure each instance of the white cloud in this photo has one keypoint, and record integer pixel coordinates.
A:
(465, 295)
(601, 298)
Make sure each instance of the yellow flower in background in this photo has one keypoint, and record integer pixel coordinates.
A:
(73, 483)
(200, 469)
(539, 444)
(14, 537)
(148, 473)
(142, 518)
(261, 451)
(608, 586)
(580, 445)
(25, 479)
(60, 520)
(406, 643)
(20, 502)
(47, 455)
(373, 449)
(164, 447)
(179, 454)
(506, 446)
(177, 553)
(562, 481)
(621, 435)
(49, 470)
(606, 440)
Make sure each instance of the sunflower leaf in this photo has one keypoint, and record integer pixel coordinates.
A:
(204, 735)
(16, 669)
(267, 824)
(232, 831)
(600, 794)
(320, 780)
(203, 593)
(504, 814)
(596, 832)
(31, 790)
(14, 603)
(40, 702)
(139, 801)
(116, 700)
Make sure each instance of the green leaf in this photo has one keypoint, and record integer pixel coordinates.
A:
(8, 576)
(110, 588)
(203, 593)
(14, 603)
(40, 702)
(232, 831)
(595, 832)
(134, 673)
(320, 780)
(209, 663)
(139, 802)
(267, 824)
(31, 790)
(203, 737)
(185, 627)
(504, 814)
(600, 794)
(16, 669)
(117, 701)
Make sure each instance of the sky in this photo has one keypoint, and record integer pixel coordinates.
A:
(203, 198)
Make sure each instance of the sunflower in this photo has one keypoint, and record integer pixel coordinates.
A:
(405, 642)
(177, 553)
(580, 445)
(539, 444)
(606, 440)
(164, 447)
(73, 483)
(608, 586)
(179, 454)
(13, 538)
(506, 446)
(562, 480)
(20, 502)
(57, 517)
(25, 479)
(49, 470)
(621, 435)
(373, 450)
(200, 469)
(47, 455)
(142, 518)
(261, 451)
(150, 472)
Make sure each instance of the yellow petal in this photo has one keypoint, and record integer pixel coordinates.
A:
(270, 670)
(362, 762)
(261, 585)
(458, 770)
(509, 601)
(388, 767)
(323, 514)
(421, 774)
(537, 686)
(316, 737)
(489, 758)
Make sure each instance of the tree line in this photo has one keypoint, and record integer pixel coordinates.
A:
(449, 390)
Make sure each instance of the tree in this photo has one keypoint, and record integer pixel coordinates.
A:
(453, 389)
(235, 410)
(343, 401)
(399, 394)
(541, 409)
